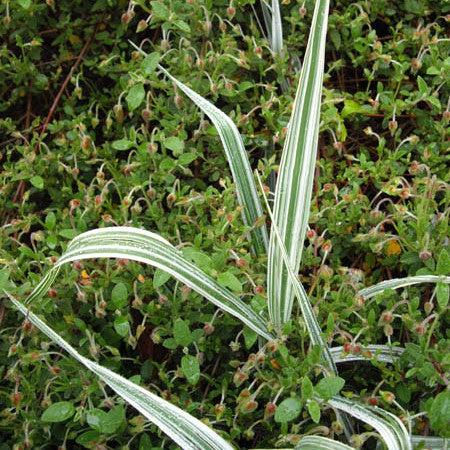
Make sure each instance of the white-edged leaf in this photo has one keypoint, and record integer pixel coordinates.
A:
(149, 248)
(320, 443)
(397, 283)
(312, 325)
(383, 353)
(277, 28)
(390, 427)
(296, 173)
(431, 442)
(316, 443)
(237, 159)
(187, 431)
(272, 19)
(311, 322)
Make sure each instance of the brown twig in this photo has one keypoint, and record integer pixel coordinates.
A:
(66, 80)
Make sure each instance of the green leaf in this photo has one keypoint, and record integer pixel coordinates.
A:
(307, 388)
(328, 387)
(160, 278)
(106, 422)
(37, 182)
(201, 259)
(183, 26)
(94, 418)
(440, 413)
(443, 263)
(145, 442)
(314, 411)
(182, 333)
(351, 107)
(119, 295)
(422, 85)
(170, 343)
(230, 281)
(4, 279)
(25, 4)
(50, 221)
(135, 96)
(150, 63)
(122, 326)
(174, 144)
(250, 337)
(288, 410)
(88, 438)
(160, 10)
(190, 368)
(68, 233)
(442, 295)
(122, 144)
(187, 158)
(58, 412)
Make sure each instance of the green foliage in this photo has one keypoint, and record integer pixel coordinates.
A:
(113, 155)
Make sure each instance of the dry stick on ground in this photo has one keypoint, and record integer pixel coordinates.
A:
(21, 187)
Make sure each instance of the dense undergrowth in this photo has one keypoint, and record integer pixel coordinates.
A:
(110, 146)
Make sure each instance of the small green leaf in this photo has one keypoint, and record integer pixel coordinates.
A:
(119, 295)
(314, 411)
(186, 158)
(50, 221)
(135, 96)
(170, 343)
(37, 182)
(115, 418)
(250, 337)
(307, 388)
(201, 259)
(88, 438)
(4, 279)
(174, 144)
(351, 107)
(422, 85)
(159, 278)
(68, 233)
(443, 263)
(160, 10)
(25, 4)
(190, 368)
(288, 410)
(182, 333)
(230, 281)
(150, 63)
(122, 326)
(442, 294)
(183, 26)
(106, 422)
(329, 387)
(122, 144)
(145, 443)
(94, 418)
(440, 413)
(58, 412)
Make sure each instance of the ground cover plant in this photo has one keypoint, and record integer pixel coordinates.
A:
(380, 194)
